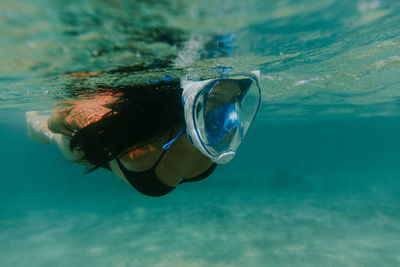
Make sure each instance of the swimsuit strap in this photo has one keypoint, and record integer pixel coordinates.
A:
(164, 151)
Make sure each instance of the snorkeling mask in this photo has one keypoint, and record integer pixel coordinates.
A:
(218, 113)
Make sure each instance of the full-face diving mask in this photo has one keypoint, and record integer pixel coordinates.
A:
(218, 113)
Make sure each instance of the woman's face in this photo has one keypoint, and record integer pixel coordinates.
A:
(225, 91)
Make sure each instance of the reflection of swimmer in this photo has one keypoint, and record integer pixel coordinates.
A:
(155, 136)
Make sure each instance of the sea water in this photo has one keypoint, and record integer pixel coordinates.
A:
(316, 182)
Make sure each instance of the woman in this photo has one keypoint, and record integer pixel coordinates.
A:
(155, 136)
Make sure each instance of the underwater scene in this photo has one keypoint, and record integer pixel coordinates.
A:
(315, 182)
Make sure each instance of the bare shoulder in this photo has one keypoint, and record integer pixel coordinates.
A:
(80, 114)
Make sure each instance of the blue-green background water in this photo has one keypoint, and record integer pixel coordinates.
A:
(315, 183)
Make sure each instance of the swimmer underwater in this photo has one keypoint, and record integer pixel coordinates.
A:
(155, 136)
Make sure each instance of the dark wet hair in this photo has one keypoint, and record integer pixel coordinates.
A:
(141, 114)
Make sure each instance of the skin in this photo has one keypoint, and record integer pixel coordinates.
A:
(182, 160)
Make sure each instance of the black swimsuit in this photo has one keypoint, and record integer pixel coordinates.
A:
(147, 182)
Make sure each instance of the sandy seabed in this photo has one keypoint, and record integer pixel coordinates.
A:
(216, 231)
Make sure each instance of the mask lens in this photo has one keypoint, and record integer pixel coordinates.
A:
(221, 121)
(224, 112)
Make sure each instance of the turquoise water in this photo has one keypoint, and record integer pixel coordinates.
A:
(315, 183)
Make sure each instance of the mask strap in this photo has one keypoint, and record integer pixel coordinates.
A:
(167, 145)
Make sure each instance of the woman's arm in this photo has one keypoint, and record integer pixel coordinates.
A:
(65, 122)
(56, 122)
(81, 114)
